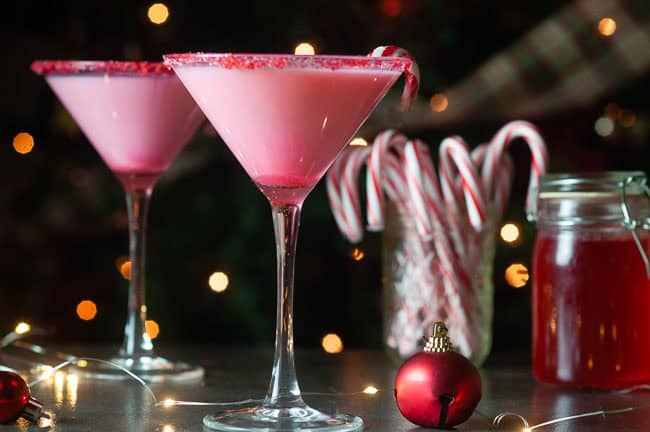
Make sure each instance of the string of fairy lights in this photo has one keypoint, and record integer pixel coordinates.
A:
(65, 387)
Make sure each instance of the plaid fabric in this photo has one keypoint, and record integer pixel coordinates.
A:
(561, 64)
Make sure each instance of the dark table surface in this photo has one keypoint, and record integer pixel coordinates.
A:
(82, 404)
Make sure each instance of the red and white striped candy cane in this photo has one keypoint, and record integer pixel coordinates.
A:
(431, 184)
(423, 206)
(453, 200)
(478, 154)
(411, 73)
(383, 143)
(332, 183)
(343, 192)
(454, 152)
(350, 192)
(501, 142)
(395, 182)
(424, 188)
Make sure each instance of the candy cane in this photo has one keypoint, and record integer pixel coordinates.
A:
(454, 151)
(344, 196)
(350, 192)
(334, 196)
(396, 183)
(423, 207)
(375, 176)
(411, 73)
(501, 142)
(478, 154)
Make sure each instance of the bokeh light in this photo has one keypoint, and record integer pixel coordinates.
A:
(168, 428)
(359, 142)
(371, 390)
(510, 233)
(125, 269)
(158, 13)
(22, 328)
(604, 126)
(332, 343)
(391, 8)
(72, 389)
(152, 328)
(87, 310)
(627, 119)
(517, 275)
(59, 379)
(304, 48)
(23, 143)
(218, 282)
(439, 102)
(607, 26)
(357, 254)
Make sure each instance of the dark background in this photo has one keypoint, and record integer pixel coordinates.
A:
(62, 213)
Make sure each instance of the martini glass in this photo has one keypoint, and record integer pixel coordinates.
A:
(138, 116)
(285, 118)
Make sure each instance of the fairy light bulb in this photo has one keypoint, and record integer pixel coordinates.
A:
(304, 48)
(359, 142)
(23, 143)
(22, 328)
(158, 13)
(371, 390)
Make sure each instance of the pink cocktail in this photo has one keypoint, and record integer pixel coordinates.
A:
(138, 116)
(286, 118)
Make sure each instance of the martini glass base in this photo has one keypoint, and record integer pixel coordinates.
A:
(266, 419)
(151, 369)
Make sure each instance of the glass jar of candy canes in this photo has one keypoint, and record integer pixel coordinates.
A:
(439, 228)
(591, 280)
(419, 289)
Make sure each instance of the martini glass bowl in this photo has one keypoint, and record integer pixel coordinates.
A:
(285, 118)
(138, 116)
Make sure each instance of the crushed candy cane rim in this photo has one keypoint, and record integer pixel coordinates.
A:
(65, 67)
(287, 61)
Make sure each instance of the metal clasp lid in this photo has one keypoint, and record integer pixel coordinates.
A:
(633, 224)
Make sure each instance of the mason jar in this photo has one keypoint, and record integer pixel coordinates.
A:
(414, 296)
(591, 286)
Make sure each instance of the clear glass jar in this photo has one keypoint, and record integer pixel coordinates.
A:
(413, 292)
(591, 287)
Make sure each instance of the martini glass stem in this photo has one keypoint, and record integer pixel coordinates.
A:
(137, 342)
(284, 391)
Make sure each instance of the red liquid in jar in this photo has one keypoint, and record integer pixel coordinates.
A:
(591, 310)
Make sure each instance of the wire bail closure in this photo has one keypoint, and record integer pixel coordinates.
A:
(632, 224)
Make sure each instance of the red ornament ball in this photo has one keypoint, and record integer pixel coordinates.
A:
(14, 396)
(437, 389)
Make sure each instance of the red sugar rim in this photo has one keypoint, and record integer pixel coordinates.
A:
(44, 67)
(280, 61)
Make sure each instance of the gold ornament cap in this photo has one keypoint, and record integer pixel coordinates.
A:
(439, 341)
